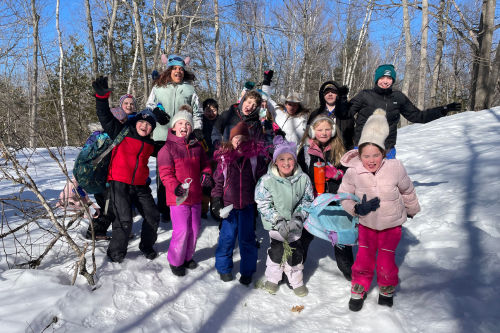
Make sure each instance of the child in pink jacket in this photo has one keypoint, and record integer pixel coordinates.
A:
(388, 198)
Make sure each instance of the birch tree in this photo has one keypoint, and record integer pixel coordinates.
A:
(35, 18)
(441, 38)
(90, 27)
(423, 55)
(61, 73)
(218, 69)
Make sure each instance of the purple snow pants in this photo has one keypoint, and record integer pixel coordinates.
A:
(186, 226)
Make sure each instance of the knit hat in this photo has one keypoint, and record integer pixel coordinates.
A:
(146, 115)
(240, 129)
(385, 70)
(128, 96)
(376, 129)
(119, 113)
(264, 95)
(282, 146)
(182, 115)
(174, 60)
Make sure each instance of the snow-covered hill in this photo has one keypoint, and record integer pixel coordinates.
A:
(449, 260)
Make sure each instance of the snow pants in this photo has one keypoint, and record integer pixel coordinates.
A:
(104, 220)
(293, 267)
(186, 221)
(239, 224)
(385, 241)
(122, 197)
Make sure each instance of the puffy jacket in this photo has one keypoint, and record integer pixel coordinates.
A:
(390, 184)
(230, 118)
(240, 183)
(294, 127)
(346, 125)
(178, 160)
(395, 104)
(172, 96)
(277, 196)
(129, 159)
(317, 155)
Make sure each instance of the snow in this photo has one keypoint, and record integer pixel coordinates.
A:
(449, 259)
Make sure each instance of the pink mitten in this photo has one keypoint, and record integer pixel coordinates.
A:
(333, 173)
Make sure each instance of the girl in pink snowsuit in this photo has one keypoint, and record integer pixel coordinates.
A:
(388, 198)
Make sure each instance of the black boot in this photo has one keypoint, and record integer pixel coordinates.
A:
(191, 264)
(358, 297)
(148, 253)
(385, 296)
(178, 270)
(228, 277)
(246, 280)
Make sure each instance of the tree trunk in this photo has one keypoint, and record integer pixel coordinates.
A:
(493, 79)
(177, 28)
(218, 70)
(140, 41)
(61, 73)
(441, 38)
(34, 88)
(423, 55)
(486, 35)
(407, 31)
(111, 47)
(95, 63)
(134, 64)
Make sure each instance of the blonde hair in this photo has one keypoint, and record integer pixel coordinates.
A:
(336, 143)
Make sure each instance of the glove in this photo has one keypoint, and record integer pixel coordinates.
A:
(296, 223)
(199, 134)
(279, 131)
(162, 117)
(217, 205)
(366, 207)
(268, 77)
(409, 216)
(249, 85)
(281, 227)
(343, 91)
(180, 191)
(148, 181)
(333, 173)
(205, 179)
(451, 107)
(333, 237)
(80, 191)
(101, 88)
(155, 75)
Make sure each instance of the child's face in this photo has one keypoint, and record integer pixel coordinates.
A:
(143, 127)
(237, 139)
(128, 105)
(210, 112)
(323, 131)
(291, 107)
(264, 104)
(177, 74)
(371, 158)
(285, 163)
(183, 128)
(248, 106)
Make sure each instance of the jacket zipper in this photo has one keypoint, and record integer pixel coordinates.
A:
(137, 163)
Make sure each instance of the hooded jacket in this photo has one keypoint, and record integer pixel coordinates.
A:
(390, 184)
(178, 160)
(395, 104)
(346, 124)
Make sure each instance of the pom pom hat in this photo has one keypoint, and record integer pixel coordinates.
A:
(376, 129)
(282, 146)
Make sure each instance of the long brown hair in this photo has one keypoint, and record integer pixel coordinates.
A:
(300, 111)
(363, 145)
(165, 78)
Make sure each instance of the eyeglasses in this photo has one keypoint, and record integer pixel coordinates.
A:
(175, 58)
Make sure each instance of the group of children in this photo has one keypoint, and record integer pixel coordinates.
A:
(230, 165)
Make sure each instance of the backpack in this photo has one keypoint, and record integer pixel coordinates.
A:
(91, 165)
(324, 219)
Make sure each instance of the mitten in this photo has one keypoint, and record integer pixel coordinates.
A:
(296, 223)
(279, 131)
(451, 107)
(281, 227)
(249, 85)
(180, 191)
(101, 88)
(343, 91)
(205, 179)
(268, 77)
(162, 117)
(332, 172)
(155, 75)
(217, 205)
(80, 191)
(366, 207)
(199, 134)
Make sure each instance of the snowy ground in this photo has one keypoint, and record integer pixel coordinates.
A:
(449, 260)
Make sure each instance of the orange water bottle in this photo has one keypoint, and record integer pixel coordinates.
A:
(319, 177)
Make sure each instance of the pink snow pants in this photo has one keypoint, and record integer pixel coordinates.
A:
(274, 272)
(370, 240)
(186, 226)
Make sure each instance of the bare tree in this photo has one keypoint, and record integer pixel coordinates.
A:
(111, 46)
(218, 69)
(140, 42)
(95, 63)
(423, 55)
(34, 87)
(61, 74)
(441, 38)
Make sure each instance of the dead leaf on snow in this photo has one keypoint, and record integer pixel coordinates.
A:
(297, 308)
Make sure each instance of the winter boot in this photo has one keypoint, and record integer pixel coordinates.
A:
(165, 218)
(204, 216)
(272, 288)
(178, 270)
(191, 264)
(148, 253)
(358, 296)
(228, 277)
(246, 280)
(301, 291)
(385, 295)
(348, 276)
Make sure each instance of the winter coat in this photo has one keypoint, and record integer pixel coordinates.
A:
(346, 126)
(172, 96)
(317, 155)
(178, 160)
(294, 127)
(129, 159)
(208, 126)
(390, 184)
(395, 103)
(277, 196)
(230, 118)
(239, 186)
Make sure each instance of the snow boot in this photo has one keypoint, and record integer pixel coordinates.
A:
(204, 216)
(165, 218)
(148, 253)
(348, 276)
(245, 280)
(191, 264)
(178, 270)
(272, 288)
(358, 297)
(228, 277)
(301, 291)
(385, 295)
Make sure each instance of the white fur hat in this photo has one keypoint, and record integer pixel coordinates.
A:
(376, 129)
(182, 115)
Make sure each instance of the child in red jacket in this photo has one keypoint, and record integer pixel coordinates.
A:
(182, 160)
